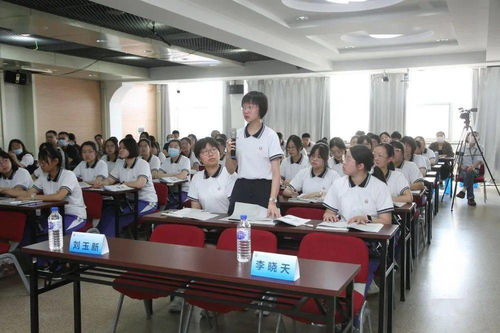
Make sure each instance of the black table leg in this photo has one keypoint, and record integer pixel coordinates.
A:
(136, 214)
(179, 187)
(330, 315)
(390, 286)
(31, 219)
(116, 203)
(77, 311)
(34, 296)
(382, 293)
(429, 223)
(350, 305)
(403, 263)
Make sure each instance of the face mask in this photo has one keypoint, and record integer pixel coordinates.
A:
(440, 139)
(18, 151)
(173, 152)
(62, 142)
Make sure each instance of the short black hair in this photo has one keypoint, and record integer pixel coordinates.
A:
(173, 140)
(256, 98)
(152, 139)
(398, 145)
(306, 135)
(129, 136)
(337, 142)
(144, 133)
(384, 133)
(280, 135)
(374, 137)
(187, 139)
(97, 135)
(221, 136)
(323, 150)
(359, 133)
(4, 154)
(131, 145)
(363, 138)
(63, 133)
(202, 143)
(175, 132)
(91, 144)
(51, 132)
(114, 139)
(49, 152)
(408, 140)
(362, 154)
(396, 135)
(72, 136)
(220, 141)
(297, 142)
(148, 142)
(192, 136)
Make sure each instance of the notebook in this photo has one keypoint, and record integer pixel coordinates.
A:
(344, 226)
(292, 220)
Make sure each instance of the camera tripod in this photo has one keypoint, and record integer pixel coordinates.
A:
(467, 132)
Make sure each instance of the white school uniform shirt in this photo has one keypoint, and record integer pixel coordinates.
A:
(162, 157)
(337, 167)
(65, 179)
(309, 148)
(182, 163)
(430, 154)
(289, 169)
(212, 192)
(397, 183)
(419, 160)
(38, 172)
(110, 164)
(222, 161)
(372, 197)
(255, 153)
(140, 168)
(193, 160)
(20, 178)
(426, 160)
(411, 172)
(154, 163)
(89, 173)
(27, 160)
(306, 182)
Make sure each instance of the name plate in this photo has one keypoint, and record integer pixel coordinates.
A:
(275, 266)
(88, 243)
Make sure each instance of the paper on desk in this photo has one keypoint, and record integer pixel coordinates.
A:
(117, 187)
(292, 220)
(14, 202)
(369, 227)
(84, 185)
(399, 204)
(191, 213)
(253, 212)
(171, 180)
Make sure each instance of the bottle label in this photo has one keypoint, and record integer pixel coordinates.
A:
(243, 235)
(53, 226)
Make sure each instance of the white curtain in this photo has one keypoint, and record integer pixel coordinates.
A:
(165, 113)
(226, 108)
(297, 105)
(488, 116)
(388, 102)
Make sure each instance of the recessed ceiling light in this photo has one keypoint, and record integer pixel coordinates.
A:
(385, 36)
(302, 18)
(25, 35)
(101, 41)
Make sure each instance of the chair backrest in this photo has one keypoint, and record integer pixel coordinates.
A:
(94, 203)
(162, 193)
(178, 235)
(329, 247)
(264, 241)
(12, 226)
(307, 213)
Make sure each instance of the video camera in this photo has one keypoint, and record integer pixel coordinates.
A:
(465, 114)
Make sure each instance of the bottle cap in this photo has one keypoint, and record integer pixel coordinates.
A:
(243, 217)
(54, 209)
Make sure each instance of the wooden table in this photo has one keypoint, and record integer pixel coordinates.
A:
(197, 266)
(385, 237)
(32, 211)
(117, 195)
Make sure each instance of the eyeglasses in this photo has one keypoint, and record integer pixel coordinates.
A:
(290, 148)
(209, 151)
(249, 107)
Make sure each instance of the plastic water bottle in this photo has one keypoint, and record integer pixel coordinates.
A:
(55, 222)
(243, 240)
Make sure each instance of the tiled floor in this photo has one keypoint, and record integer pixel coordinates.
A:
(455, 289)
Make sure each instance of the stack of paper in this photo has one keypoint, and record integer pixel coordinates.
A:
(171, 180)
(253, 212)
(84, 185)
(14, 202)
(292, 220)
(344, 226)
(304, 198)
(117, 188)
(190, 213)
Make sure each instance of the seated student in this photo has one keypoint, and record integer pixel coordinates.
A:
(111, 154)
(469, 169)
(155, 150)
(419, 152)
(410, 147)
(210, 189)
(73, 157)
(365, 141)
(176, 165)
(72, 140)
(186, 150)
(385, 137)
(193, 139)
(133, 172)
(91, 168)
(441, 146)
(58, 184)
(12, 177)
(221, 144)
(146, 154)
(337, 151)
(295, 161)
(51, 139)
(426, 151)
(315, 180)
(175, 134)
(408, 168)
(384, 169)
(375, 139)
(353, 141)
(396, 136)
(144, 135)
(99, 141)
(21, 157)
(307, 143)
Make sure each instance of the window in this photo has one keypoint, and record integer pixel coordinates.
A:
(434, 96)
(349, 104)
(195, 107)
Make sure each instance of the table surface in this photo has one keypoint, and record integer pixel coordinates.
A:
(33, 207)
(317, 277)
(387, 231)
(110, 193)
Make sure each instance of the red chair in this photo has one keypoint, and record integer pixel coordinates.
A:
(162, 193)
(93, 202)
(328, 247)
(12, 230)
(307, 213)
(478, 179)
(261, 241)
(170, 234)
